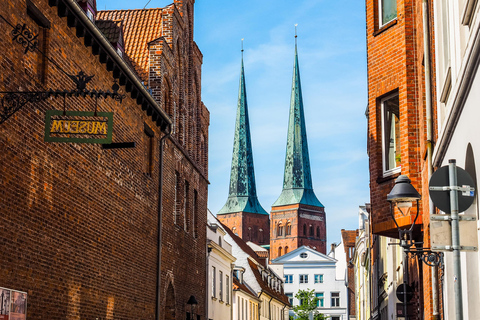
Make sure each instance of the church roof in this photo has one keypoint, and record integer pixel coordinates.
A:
(140, 27)
(242, 195)
(297, 179)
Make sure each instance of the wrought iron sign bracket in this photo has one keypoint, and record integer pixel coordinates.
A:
(428, 257)
(13, 101)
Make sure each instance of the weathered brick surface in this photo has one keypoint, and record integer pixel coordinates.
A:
(301, 218)
(396, 63)
(252, 227)
(79, 224)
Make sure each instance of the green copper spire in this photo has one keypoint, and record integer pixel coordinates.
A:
(297, 180)
(242, 196)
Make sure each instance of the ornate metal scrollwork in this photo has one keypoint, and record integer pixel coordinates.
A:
(428, 257)
(25, 37)
(13, 101)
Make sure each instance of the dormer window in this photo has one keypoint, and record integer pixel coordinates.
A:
(90, 15)
(120, 52)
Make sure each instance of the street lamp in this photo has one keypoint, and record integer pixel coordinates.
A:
(193, 303)
(403, 195)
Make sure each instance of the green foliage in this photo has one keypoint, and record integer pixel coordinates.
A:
(308, 305)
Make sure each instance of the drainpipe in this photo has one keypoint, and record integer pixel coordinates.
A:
(159, 240)
(283, 311)
(428, 105)
(270, 308)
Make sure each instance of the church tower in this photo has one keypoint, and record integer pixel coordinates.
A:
(297, 217)
(242, 213)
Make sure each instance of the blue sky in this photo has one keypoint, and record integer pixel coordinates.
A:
(332, 57)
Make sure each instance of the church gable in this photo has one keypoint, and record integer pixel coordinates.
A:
(304, 255)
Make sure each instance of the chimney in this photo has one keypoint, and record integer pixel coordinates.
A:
(332, 250)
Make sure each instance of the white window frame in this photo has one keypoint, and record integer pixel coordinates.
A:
(303, 278)
(322, 299)
(380, 15)
(289, 278)
(220, 285)
(398, 169)
(320, 278)
(214, 282)
(337, 300)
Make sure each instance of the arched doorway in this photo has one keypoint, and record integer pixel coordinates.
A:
(170, 304)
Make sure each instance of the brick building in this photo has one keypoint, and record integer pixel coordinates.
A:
(400, 139)
(242, 212)
(349, 238)
(297, 217)
(91, 232)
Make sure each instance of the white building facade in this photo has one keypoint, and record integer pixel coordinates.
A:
(361, 262)
(307, 269)
(220, 263)
(457, 36)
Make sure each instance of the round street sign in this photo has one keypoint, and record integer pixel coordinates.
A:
(441, 198)
(401, 290)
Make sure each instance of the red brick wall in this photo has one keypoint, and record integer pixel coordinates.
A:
(297, 216)
(396, 62)
(78, 224)
(248, 226)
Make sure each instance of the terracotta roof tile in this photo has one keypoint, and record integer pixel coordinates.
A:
(265, 287)
(241, 286)
(242, 244)
(111, 29)
(349, 237)
(140, 26)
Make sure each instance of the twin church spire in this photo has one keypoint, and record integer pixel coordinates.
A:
(297, 182)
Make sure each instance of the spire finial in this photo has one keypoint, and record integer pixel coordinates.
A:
(296, 24)
(242, 47)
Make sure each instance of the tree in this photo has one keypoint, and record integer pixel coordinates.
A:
(308, 305)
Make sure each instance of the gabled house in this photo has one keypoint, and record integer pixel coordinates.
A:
(306, 269)
(261, 279)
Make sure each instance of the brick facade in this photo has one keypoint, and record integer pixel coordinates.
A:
(299, 225)
(78, 223)
(348, 238)
(252, 227)
(396, 65)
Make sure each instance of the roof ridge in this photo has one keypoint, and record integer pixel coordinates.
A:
(131, 9)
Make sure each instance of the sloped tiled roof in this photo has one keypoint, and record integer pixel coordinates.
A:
(111, 29)
(242, 244)
(349, 237)
(265, 287)
(140, 27)
(241, 286)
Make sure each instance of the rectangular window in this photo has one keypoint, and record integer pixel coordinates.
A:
(304, 278)
(391, 133)
(388, 11)
(195, 213)
(176, 204)
(220, 285)
(149, 147)
(227, 289)
(186, 207)
(335, 299)
(289, 278)
(319, 278)
(290, 298)
(214, 282)
(320, 297)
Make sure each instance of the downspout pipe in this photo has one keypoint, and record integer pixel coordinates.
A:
(159, 240)
(270, 308)
(428, 106)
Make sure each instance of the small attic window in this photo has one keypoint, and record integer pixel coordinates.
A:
(120, 52)
(90, 15)
(303, 255)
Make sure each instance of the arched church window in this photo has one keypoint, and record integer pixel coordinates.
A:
(286, 249)
(318, 232)
(280, 251)
(311, 230)
(304, 229)
(280, 230)
(288, 229)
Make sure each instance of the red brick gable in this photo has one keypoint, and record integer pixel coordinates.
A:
(140, 26)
